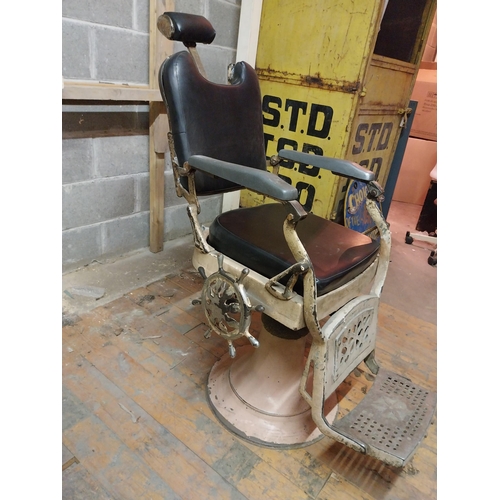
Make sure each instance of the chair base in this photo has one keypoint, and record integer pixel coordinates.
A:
(256, 395)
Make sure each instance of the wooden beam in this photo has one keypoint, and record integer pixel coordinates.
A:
(159, 48)
(76, 89)
(156, 183)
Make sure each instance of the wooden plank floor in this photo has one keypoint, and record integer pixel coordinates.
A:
(136, 424)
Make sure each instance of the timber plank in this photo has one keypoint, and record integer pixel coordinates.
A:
(154, 395)
(255, 478)
(373, 478)
(111, 91)
(408, 347)
(419, 477)
(176, 464)
(179, 319)
(409, 343)
(122, 311)
(396, 320)
(423, 375)
(190, 279)
(156, 179)
(169, 290)
(182, 419)
(194, 423)
(130, 352)
(339, 488)
(158, 355)
(73, 411)
(195, 310)
(79, 484)
(215, 344)
(151, 302)
(171, 346)
(67, 457)
(113, 464)
(265, 482)
(297, 465)
(197, 365)
(140, 327)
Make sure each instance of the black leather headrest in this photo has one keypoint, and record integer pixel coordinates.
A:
(189, 29)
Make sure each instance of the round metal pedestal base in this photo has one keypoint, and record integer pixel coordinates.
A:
(256, 395)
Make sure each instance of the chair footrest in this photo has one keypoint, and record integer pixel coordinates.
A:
(392, 419)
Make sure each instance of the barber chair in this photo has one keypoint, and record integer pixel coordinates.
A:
(317, 284)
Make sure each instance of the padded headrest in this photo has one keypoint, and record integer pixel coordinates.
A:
(189, 29)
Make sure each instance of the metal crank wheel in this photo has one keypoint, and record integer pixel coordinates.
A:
(227, 306)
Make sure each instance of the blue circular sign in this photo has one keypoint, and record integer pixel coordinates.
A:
(356, 215)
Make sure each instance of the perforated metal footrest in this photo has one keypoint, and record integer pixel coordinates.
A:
(392, 419)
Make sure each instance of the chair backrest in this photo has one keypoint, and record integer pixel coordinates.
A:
(216, 120)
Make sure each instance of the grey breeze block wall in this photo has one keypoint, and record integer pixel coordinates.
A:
(105, 150)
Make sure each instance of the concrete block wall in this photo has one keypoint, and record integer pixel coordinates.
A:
(105, 40)
(105, 146)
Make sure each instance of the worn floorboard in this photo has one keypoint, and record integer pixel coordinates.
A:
(136, 423)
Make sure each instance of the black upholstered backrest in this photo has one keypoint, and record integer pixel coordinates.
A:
(220, 121)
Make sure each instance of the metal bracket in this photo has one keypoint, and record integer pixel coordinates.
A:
(404, 119)
(375, 191)
(295, 271)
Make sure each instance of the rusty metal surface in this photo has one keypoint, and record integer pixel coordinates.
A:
(305, 79)
(311, 76)
(326, 38)
(326, 92)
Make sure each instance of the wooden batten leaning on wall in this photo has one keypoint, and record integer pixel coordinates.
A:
(159, 49)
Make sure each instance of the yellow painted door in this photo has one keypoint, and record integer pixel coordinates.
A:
(388, 85)
(311, 60)
(336, 77)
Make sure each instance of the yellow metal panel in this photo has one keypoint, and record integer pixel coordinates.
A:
(388, 84)
(325, 92)
(377, 126)
(311, 60)
(373, 143)
(323, 41)
(311, 120)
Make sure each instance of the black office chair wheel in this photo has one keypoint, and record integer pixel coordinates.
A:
(432, 260)
(408, 238)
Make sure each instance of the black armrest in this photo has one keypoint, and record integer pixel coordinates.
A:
(261, 181)
(345, 168)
